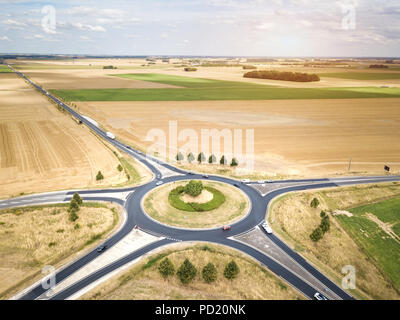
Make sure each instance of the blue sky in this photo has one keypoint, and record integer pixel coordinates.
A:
(203, 27)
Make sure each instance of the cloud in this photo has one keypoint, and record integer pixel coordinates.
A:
(12, 22)
(88, 27)
(4, 38)
(265, 26)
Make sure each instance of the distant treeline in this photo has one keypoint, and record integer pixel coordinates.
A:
(190, 69)
(378, 66)
(247, 67)
(286, 76)
(109, 67)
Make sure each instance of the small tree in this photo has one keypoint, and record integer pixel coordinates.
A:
(99, 176)
(120, 168)
(73, 216)
(212, 159)
(209, 273)
(314, 203)
(317, 234)
(231, 270)
(234, 162)
(186, 272)
(73, 205)
(77, 198)
(223, 160)
(166, 268)
(194, 188)
(179, 156)
(190, 157)
(201, 157)
(325, 224)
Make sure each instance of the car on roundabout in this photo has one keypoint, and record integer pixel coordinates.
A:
(159, 183)
(266, 227)
(226, 228)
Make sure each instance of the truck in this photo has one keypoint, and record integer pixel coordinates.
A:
(110, 135)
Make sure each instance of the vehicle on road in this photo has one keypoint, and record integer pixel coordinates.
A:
(245, 180)
(266, 227)
(236, 185)
(159, 183)
(226, 228)
(260, 181)
(110, 135)
(205, 176)
(101, 248)
(269, 181)
(159, 176)
(191, 173)
(319, 296)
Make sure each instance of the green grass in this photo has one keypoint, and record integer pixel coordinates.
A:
(362, 75)
(5, 69)
(378, 245)
(193, 94)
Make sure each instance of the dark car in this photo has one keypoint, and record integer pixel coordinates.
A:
(236, 185)
(191, 173)
(101, 248)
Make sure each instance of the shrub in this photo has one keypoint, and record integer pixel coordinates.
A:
(190, 157)
(314, 203)
(325, 224)
(73, 205)
(212, 159)
(201, 157)
(179, 156)
(99, 176)
(231, 270)
(176, 202)
(317, 234)
(73, 216)
(223, 160)
(234, 162)
(194, 188)
(209, 273)
(279, 75)
(186, 272)
(120, 168)
(77, 226)
(77, 198)
(166, 268)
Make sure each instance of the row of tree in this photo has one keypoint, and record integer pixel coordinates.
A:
(187, 271)
(74, 207)
(279, 75)
(323, 228)
(202, 158)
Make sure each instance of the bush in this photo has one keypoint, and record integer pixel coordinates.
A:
(77, 198)
(325, 224)
(201, 157)
(73, 216)
(234, 162)
(186, 272)
(314, 203)
(223, 160)
(212, 159)
(231, 270)
(209, 273)
(77, 226)
(73, 205)
(99, 176)
(179, 156)
(166, 268)
(279, 75)
(120, 168)
(194, 188)
(323, 228)
(176, 202)
(317, 234)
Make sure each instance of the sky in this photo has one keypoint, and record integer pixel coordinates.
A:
(290, 28)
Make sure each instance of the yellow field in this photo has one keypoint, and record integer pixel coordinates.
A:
(294, 220)
(253, 282)
(34, 237)
(305, 137)
(43, 149)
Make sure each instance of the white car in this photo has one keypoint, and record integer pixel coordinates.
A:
(320, 296)
(260, 181)
(159, 183)
(266, 227)
(245, 180)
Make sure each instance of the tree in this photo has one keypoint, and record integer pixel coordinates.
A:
(194, 188)
(223, 160)
(186, 272)
(234, 162)
(166, 268)
(190, 157)
(325, 224)
(99, 176)
(317, 234)
(314, 203)
(209, 273)
(73, 216)
(120, 168)
(212, 159)
(201, 157)
(73, 205)
(179, 156)
(77, 198)
(231, 270)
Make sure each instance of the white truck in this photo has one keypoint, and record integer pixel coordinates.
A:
(110, 135)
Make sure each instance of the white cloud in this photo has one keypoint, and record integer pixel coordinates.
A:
(266, 26)
(12, 22)
(88, 27)
(4, 38)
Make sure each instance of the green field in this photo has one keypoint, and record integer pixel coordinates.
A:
(362, 75)
(378, 244)
(4, 69)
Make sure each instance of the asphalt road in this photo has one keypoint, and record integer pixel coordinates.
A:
(136, 216)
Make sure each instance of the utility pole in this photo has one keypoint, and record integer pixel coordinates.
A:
(349, 164)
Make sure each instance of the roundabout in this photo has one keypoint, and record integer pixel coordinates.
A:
(215, 205)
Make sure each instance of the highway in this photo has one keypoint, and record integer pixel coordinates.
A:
(259, 196)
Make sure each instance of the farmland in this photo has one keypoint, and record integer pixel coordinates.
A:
(362, 75)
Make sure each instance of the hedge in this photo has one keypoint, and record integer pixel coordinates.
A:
(176, 202)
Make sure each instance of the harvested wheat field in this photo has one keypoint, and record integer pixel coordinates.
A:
(43, 149)
(307, 137)
(293, 219)
(144, 282)
(33, 237)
